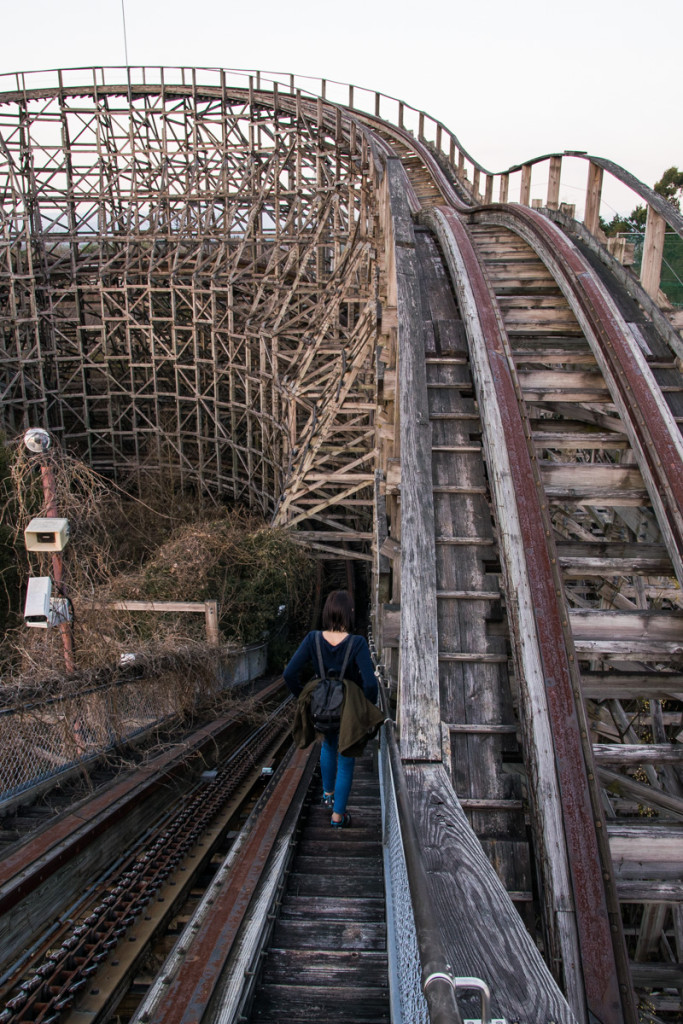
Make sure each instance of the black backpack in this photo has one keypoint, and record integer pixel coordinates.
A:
(327, 699)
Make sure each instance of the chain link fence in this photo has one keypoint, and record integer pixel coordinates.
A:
(672, 263)
(408, 1005)
(43, 738)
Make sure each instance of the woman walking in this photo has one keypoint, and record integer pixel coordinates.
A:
(338, 645)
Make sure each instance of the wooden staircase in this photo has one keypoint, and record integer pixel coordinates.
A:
(328, 953)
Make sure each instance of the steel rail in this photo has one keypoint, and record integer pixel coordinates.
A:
(188, 989)
(652, 430)
(601, 962)
(55, 985)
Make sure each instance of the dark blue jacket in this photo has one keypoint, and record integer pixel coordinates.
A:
(359, 667)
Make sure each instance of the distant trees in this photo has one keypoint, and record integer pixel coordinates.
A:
(670, 186)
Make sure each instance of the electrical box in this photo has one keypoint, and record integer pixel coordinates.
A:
(47, 534)
(38, 600)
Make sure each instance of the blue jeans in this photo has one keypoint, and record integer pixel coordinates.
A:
(337, 772)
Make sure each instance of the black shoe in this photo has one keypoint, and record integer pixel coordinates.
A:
(344, 823)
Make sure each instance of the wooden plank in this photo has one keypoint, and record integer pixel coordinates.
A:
(646, 851)
(607, 558)
(493, 943)
(650, 892)
(649, 796)
(474, 727)
(419, 667)
(638, 753)
(641, 626)
(606, 685)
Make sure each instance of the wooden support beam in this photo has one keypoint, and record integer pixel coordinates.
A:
(645, 851)
(554, 173)
(591, 216)
(525, 187)
(419, 702)
(633, 754)
(627, 685)
(649, 796)
(653, 251)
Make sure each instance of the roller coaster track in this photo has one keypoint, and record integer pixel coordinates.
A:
(517, 443)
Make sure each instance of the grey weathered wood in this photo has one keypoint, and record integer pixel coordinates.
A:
(649, 796)
(638, 753)
(650, 892)
(491, 943)
(535, 720)
(419, 667)
(647, 851)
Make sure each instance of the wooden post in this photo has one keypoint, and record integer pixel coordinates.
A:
(211, 616)
(653, 250)
(504, 187)
(591, 217)
(488, 195)
(525, 188)
(554, 172)
(421, 129)
(419, 702)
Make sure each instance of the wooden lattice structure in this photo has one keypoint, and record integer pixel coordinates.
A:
(188, 277)
(318, 309)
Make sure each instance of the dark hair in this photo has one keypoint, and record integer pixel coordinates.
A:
(338, 612)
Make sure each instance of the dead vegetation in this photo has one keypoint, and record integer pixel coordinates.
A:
(158, 544)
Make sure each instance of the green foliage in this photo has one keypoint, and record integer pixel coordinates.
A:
(618, 225)
(670, 185)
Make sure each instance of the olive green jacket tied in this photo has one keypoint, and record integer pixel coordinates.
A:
(360, 720)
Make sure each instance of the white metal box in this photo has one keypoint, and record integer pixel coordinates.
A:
(47, 534)
(38, 598)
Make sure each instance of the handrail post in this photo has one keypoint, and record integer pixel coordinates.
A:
(211, 619)
(525, 187)
(591, 216)
(504, 188)
(554, 172)
(488, 195)
(653, 251)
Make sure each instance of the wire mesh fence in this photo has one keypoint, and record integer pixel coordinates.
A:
(671, 282)
(408, 1003)
(41, 739)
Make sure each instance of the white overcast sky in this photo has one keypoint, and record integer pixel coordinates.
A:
(512, 79)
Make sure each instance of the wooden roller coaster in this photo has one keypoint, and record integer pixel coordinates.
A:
(307, 298)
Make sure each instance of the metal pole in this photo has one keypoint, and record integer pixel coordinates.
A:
(49, 492)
